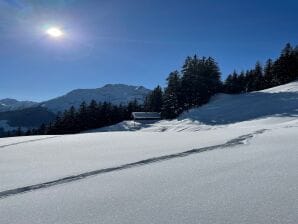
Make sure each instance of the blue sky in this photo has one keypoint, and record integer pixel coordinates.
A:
(135, 42)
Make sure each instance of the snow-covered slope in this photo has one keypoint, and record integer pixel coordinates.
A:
(279, 101)
(179, 171)
(114, 93)
(254, 182)
(244, 174)
(12, 104)
(287, 88)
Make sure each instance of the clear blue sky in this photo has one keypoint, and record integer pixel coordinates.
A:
(132, 41)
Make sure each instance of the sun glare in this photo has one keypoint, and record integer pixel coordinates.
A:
(54, 32)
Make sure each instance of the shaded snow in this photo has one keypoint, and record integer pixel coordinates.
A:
(227, 109)
(122, 126)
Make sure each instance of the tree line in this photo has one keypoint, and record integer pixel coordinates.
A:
(86, 117)
(193, 86)
(281, 71)
(198, 80)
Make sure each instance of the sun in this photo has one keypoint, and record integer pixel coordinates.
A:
(54, 32)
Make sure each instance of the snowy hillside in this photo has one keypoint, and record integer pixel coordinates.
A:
(225, 109)
(181, 171)
(114, 93)
(12, 104)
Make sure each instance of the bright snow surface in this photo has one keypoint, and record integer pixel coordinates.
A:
(241, 170)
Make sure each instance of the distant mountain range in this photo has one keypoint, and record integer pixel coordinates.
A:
(114, 93)
(12, 104)
(28, 114)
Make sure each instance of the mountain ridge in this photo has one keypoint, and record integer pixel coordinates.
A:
(113, 93)
(14, 113)
(9, 104)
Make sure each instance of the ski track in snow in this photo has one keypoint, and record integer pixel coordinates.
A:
(231, 143)
(28, 141)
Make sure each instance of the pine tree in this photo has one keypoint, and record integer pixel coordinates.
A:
(249, 79)
(189, 82)
(41, 130)
(172, 105)
(93, 114)
(287, 51)
(231, 84)
(57, 126)
(200, 80)
(258, 82)
(154, 100)
(269, 79)
(286, 66)
(83, 116)
(242, 83)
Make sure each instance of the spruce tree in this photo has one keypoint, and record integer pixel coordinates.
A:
(242, 83)
(172, 105)
(41, 130)
(83, 116)
(200, 80)
(286, 66)
(231, 84)
(258, 82)
(93, 114)
(154, 100)
(269, 79)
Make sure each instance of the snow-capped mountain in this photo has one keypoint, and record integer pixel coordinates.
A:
(114, 93)
(12, 104)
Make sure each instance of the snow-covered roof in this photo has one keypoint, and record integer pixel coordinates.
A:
(146, 115)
